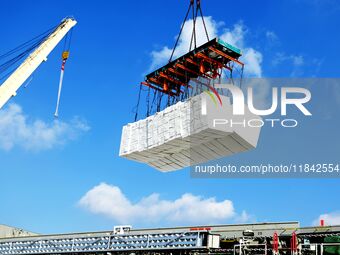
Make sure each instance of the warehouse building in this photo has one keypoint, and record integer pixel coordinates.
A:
(9, 232)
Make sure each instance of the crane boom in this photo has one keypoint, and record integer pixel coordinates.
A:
(9, 88)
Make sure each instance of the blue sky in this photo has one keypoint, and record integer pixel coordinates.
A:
(42, 182)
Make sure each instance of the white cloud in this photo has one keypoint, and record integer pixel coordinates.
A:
(296, 60)
(161, 57)
(235, 36)
(251, 57)
(252, 60)
(271, 36)
(110, 201)
(261, 91)
(244, 217)
(332, 218)
(16, 129)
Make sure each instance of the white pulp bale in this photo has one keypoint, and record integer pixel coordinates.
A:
(181, 136)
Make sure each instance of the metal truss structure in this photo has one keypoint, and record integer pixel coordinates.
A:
(285, 238)
(78, 243)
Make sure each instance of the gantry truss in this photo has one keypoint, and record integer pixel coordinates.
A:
(102, 242)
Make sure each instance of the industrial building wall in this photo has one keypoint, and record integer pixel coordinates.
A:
(7, 231)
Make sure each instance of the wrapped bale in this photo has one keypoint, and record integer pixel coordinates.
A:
(185, 134)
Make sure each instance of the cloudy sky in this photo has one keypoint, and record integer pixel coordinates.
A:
(65, 175)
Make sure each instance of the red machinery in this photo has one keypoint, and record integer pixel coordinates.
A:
(206, 61)
(276, 243)
(185, 76)
(294, 243)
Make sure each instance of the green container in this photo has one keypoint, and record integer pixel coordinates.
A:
(332, 249)
(229, 46)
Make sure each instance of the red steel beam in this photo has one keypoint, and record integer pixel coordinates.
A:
(156, 81)
(187, 69)
(170, 79)
(191, 61)
(193, 72)
(158, 89)
(225, 55)
(175, 72)
(212, 61)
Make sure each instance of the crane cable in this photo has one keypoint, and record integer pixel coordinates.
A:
(180, 32)
(194, 18)
(157, 96)
(9, 62)
(65, 55)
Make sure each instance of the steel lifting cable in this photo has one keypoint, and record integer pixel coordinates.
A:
(148, 103)
(186, 95)
(65, 55)
(241, 73)
(180, 32)
(38, 38)
(241, 79)
(138, 101)
(200, 9)
(159, 104)
(22, 51)
(153, 100)
(193, 35)
(11, 64)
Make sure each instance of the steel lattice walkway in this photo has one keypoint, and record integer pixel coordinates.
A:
(104, 243)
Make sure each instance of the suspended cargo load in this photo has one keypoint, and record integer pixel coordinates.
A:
(178, 131)
(189, 133)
